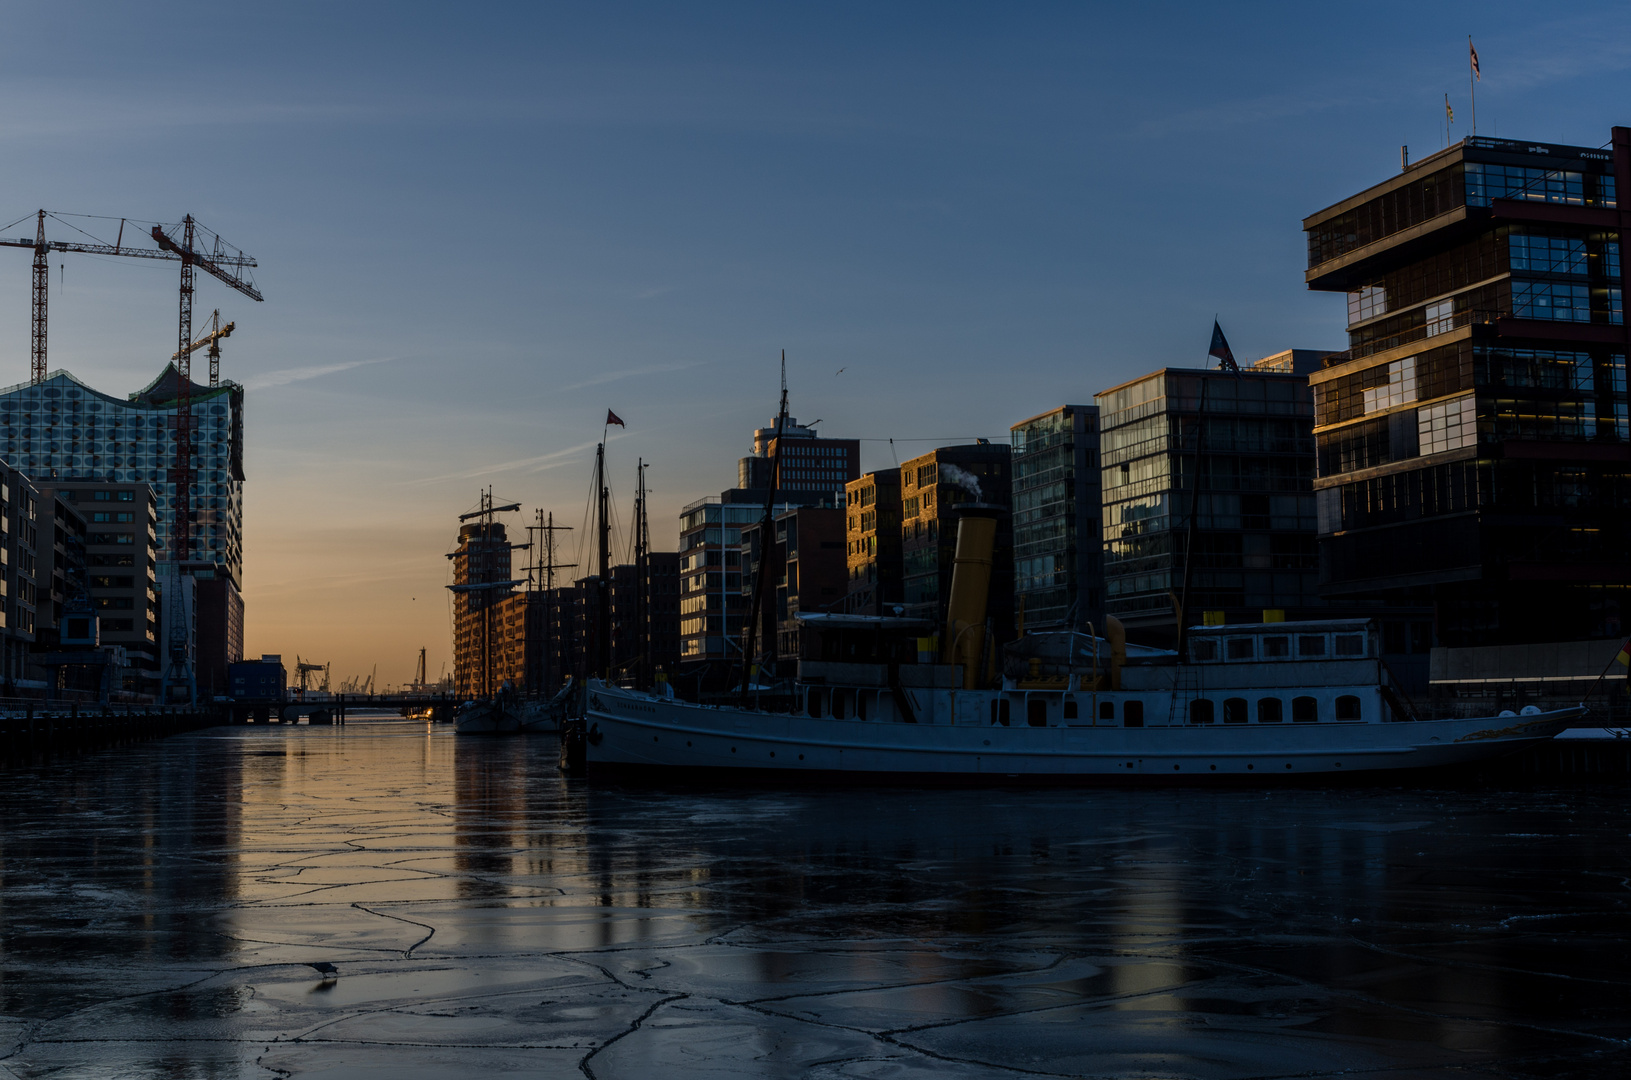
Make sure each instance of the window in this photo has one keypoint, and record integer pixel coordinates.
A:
(1200, 711)
(1204, 649)
(1132, 714)
(125, 496)
(1349, 644)
(1277, 646)
(1304, 710)
(860, 705)
(1107, 710)
(1311, 645)
(1268, 710)
(1234, 711)
(1548, 254)
(1348, 707)
(1399, 388)
(814, 706)
(1036, 711)
(838, 712)
(1071, 712)
(1553, 300)
(1447, 426)
(1240, 648)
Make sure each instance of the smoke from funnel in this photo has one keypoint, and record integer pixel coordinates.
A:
(955, 474)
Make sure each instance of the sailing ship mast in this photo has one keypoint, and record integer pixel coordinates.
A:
(642, 546)
(767, 540)
(603, 585)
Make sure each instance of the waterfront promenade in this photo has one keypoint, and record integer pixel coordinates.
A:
(160, 903)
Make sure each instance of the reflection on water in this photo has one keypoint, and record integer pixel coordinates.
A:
(159, 903)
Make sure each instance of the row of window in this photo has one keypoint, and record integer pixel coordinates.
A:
(1277, 647)
(844, 704)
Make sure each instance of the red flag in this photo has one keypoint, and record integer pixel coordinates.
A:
(612, 418)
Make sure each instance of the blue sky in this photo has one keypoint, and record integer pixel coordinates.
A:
(480, 226)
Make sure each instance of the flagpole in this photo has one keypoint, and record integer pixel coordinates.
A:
(1472, 85)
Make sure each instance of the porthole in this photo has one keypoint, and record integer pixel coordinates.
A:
(1288, 764)
(1214, 768)
(733, 750)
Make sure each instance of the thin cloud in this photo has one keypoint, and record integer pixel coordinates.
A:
(614, 376)
(553, 460)
(285, 376)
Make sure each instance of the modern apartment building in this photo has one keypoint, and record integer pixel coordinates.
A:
(872, 543)
(19, 569)
(482, 579)
(1249, 439)
(662, 629)
(1474, 451)
(1058, 568)
(933, 487)
(121, 557)
(807, 572)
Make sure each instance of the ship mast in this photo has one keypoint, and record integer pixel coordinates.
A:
(642, 603)
(767, 540)
(603, 586)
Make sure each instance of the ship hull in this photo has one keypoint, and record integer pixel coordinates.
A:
(633, 732)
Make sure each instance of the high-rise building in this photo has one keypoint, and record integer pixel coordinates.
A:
(662, 629)
(20, 518)
(482, 579)
(1474, 450)
(872, 543)
(1254, 555)
(62, 429)
(1058, 569)
(932, 488)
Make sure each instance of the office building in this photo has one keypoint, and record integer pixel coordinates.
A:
(809, 463)
(1474, 451)
(872, 543)
(1058, 568)
(20, 503)
(1253, 510)
(933, 487)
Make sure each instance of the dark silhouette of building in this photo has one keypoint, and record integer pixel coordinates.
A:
(1254, 543)
(1474, 451)
(1058, 569)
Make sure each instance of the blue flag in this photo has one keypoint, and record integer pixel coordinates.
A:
(1220, 349)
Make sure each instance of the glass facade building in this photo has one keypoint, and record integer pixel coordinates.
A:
(1474, 451)
(62, 429)
(1254, 509)
(1058, 575)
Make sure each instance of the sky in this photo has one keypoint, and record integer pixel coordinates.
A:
(480, 226)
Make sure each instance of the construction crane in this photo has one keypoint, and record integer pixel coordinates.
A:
(213, 339)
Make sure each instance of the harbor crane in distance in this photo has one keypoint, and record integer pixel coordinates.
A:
(303, 671)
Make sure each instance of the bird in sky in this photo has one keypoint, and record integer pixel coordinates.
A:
(841, 370)
(326, 969)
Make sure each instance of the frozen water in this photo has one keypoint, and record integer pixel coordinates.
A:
(160, 903)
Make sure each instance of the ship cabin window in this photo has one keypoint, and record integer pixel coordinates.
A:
(1132, 714)
(1234, 710)
(1350, 644)
(1348, 707)
(1071, 712)
(860, 705)
(1000, 713)
(1276, 647)
(1305, 710)
(1107, 710)
(1268, 710)
(815, 703)
(1204, 649)
(1240, 648)
(838, 711)
(1200, 711)
(1036, 710)
(1311, 645)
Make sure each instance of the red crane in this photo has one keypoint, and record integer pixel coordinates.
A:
(190, 244)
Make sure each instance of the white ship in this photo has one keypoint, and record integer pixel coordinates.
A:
(1246, 701)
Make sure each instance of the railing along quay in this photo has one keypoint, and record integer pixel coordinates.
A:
(60, 725)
